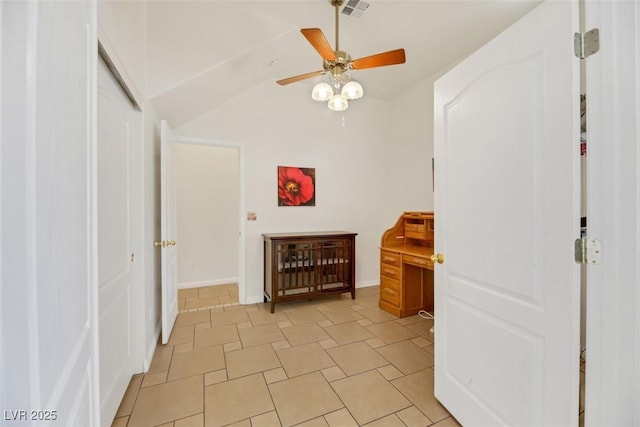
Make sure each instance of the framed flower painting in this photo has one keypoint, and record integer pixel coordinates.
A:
(296, 186)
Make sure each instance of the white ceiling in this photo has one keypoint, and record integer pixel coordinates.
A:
(201, 53)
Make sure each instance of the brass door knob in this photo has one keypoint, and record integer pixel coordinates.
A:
(439, 258)
(160, 243)
(171, 243)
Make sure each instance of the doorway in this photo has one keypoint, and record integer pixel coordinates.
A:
(208, 218)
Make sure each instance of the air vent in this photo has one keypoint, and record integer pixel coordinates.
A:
(355, 8)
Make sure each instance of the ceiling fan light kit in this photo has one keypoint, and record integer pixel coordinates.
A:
(338, 64)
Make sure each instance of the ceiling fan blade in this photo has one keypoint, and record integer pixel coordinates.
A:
(319, 43)
(379, 60)
(300, 77)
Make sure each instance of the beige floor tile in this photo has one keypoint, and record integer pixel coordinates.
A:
(208, 302)
(129, 399)
(215, 336)
(228, 317)
(342, 316)
(304, 359)
(188, 293)
(388, 421)
(193, 421)
(365, 322)
(183, 348)
(390, 372)
(304, 315)
(406, 356)
(192, 318)
(375, 342)
(243, 423)
(153, 379)
(390, 332)
(412, 417)
(346, 333)
(120, 422)
(167, 402)
(278, 345)
(303, 398)
(369, 396)
(447, 422)
(270, 419)
(422, 328)
(251, 360)
(340, 418)
(261, 317)
(316, 422)
(421, 342)
(195, 362)
(258, 335)
(330, 343)
(181, 335)
(232, 346)
(215, 377)
(236, 400)
(161, 359)
(214, 291)
(304, 333)
(357, 357)
(376, 315)
(333, 373)
(418, 388)
(274, 375)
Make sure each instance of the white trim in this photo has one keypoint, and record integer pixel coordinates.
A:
(151, 349)
(205, 283)
(92, 214)
(113, 58)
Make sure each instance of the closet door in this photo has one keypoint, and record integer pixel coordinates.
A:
(507, 213)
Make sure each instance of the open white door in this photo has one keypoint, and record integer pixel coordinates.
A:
(168, 230)
(507, 214)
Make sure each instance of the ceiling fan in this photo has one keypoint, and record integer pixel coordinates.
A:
(337, 62)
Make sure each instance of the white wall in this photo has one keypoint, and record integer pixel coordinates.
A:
(208, 214)
(362, 184)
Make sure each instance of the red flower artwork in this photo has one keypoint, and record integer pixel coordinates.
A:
(296, 186)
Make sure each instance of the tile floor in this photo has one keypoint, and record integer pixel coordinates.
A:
(327, 362)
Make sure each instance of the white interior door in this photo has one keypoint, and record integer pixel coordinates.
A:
(119, 228)
(507, 213)
(168, 230)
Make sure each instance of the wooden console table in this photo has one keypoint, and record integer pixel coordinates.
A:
(308, 265)
(406, 268)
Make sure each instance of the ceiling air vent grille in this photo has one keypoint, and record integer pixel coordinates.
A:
(355, 8)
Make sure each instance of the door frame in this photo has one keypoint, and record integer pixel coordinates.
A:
(241, 200)
(613, 209)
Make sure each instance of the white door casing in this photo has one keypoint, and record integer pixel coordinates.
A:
(507, 213)
(168, 231)
(613, 215)
(119, 235)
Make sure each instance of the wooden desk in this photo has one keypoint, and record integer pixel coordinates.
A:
(308, 265)
(406, 269)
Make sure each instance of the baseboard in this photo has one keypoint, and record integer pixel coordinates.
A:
(152, 348)
(203, 283)
(254, 300)
(367, 284)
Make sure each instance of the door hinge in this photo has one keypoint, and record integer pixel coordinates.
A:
(586, 44)
(588, 251)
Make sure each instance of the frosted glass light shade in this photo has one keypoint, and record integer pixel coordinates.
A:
(338, 103)
(352, 90)
(322, 92)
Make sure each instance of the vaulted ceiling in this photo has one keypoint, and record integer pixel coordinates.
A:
(202, 53)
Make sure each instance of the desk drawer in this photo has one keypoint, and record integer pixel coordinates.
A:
(390, 258)
(390, 290)
(418, 260)
(390, 271)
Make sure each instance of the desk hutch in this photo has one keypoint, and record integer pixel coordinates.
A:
(406, 265)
